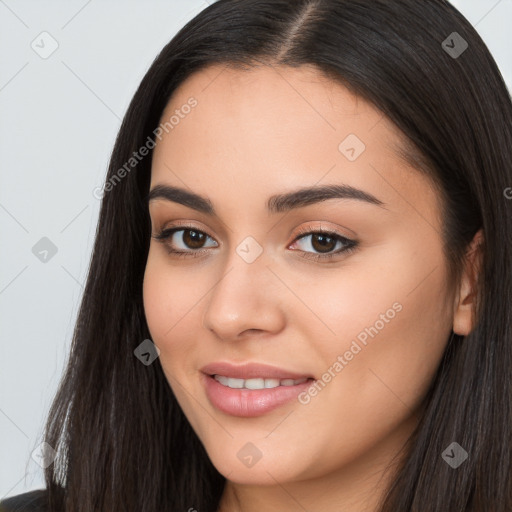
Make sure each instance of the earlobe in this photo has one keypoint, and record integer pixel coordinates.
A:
(464, 306)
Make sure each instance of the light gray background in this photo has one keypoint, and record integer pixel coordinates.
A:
(58, 120)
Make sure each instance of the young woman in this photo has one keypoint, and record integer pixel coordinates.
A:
(300, 290)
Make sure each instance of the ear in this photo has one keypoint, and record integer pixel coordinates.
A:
(463, 319)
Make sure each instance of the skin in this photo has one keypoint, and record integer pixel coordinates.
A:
(267, 131)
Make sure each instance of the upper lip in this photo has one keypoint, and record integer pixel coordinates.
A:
(251, 371)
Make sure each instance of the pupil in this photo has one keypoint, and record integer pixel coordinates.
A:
(324, 241)
(193, 239)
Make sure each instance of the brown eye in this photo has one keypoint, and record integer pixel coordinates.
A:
(184, 241)
(323, 243)
(193, 239)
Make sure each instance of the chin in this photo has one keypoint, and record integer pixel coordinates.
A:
(266, 470)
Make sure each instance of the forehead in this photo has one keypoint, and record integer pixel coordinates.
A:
(275, 98)
(270, 128)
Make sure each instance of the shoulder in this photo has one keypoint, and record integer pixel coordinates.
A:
(32, 501)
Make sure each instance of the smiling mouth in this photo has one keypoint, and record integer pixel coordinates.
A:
(257, 383)
(255, 395)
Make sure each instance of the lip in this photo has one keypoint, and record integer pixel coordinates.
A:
(249, 403)
(251, 371)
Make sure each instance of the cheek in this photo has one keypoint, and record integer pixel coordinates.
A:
(168, 298)
(171, 298)
(391, 324)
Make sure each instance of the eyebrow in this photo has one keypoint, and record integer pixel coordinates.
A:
(275, 204)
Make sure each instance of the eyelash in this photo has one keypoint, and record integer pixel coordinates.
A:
(350, 245)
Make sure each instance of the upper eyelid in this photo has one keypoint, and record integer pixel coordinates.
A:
(184, 227)
(320, 229)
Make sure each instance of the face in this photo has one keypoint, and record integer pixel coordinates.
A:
(348, 292)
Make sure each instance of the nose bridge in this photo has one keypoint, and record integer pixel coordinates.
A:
(244, 297)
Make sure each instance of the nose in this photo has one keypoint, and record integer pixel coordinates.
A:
(247, 297)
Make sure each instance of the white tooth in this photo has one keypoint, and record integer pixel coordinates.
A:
(271, 383)
(220, 378)
(255, 383)
(235, 383)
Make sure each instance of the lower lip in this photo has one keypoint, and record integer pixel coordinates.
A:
(248, 403)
